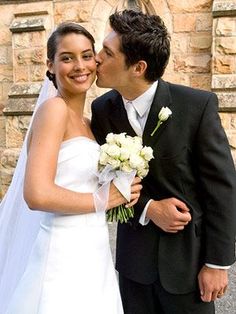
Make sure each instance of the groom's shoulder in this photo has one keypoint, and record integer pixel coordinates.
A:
(107, 98)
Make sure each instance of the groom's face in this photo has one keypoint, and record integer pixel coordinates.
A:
(112, 71)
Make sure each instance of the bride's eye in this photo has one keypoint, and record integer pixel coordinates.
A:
(66, 58)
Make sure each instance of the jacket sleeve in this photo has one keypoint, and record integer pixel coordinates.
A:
(217, 179)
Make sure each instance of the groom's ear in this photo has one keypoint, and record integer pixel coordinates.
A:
(139, 68)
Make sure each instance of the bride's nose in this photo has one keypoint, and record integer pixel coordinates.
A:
(78, 64)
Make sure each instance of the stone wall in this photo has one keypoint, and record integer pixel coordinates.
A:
(203, 56)
(25, 26)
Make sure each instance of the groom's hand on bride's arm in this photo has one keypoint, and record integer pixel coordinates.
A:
(170, 214)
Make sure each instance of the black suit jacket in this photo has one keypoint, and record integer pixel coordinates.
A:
(192, 163)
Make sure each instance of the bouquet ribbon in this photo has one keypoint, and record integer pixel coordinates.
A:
(122, 180)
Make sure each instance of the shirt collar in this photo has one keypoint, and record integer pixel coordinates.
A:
(144, 101)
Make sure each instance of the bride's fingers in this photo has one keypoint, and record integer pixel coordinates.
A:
(136, 180)
(131, 203)
(136, 188)
(133, 200)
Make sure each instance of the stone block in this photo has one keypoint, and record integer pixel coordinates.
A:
(22, 56)
(204, 22)
(224, 26)
(179, 43)
(38, 39)
(226, 45)
(3, 55)
(192, 63)
(6, 86)
(79, 12)
(189, 6)
(37, 73)
(38, 56)
(177, 78)
(224, 8)
(21, 74)
(222, 82)
(19, 106)
(201, 42)
(16, 128)
(201, 81)
(224, 65)
(8, 161)
(227, 101)
(2, 132)
(21, 41)
(6, 73)
(27, 24)
(25, 90)
(184, 22)
(9, 158)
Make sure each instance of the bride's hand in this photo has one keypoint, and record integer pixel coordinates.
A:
(116, 198)
(136, 188)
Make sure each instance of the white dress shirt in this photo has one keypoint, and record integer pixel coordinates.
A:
(142, 104)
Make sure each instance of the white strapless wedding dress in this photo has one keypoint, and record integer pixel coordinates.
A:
(70, 270)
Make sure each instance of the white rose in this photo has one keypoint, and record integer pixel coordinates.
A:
(113, 150)
(120, 138)
(126, 142)
(138, 140)
(115, 163)
(110, 138)
(164, 113)
(103, 158)
(124, 154)
(125, 167)
(104, 147)
(147, 153)
(136, 162)
(141, 173)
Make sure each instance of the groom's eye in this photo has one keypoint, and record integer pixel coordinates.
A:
(108, 52)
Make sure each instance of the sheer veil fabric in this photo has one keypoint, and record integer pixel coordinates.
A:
(19, 226)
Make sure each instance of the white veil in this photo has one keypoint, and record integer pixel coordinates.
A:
(19, 225)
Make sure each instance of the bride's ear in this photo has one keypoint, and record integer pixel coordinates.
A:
(50, 66)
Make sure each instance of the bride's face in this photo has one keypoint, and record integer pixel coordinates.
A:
(74, 64)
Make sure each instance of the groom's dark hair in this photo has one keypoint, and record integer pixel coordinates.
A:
(143, 37)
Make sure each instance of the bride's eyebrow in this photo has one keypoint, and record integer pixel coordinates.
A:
(72, 53)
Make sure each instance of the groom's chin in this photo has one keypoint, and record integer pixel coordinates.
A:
(99, 83)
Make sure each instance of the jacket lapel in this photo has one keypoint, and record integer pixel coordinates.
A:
(161, 99)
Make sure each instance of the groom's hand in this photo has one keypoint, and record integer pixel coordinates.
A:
(212, 283)
(170, 214)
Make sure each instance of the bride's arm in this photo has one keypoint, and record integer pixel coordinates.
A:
(40, 190)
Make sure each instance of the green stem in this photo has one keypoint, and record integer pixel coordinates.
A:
(157, 126)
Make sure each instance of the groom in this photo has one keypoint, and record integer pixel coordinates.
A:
(174, 255)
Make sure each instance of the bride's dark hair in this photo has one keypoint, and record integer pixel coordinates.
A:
(62, 30)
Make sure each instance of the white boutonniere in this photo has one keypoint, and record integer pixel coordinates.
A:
(163, 115)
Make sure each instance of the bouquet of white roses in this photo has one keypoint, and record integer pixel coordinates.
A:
(125, 157)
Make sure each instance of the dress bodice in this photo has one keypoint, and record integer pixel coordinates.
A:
(77, 164)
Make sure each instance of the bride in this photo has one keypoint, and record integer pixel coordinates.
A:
(56, 258)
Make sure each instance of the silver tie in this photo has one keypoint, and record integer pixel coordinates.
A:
(133, 118)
